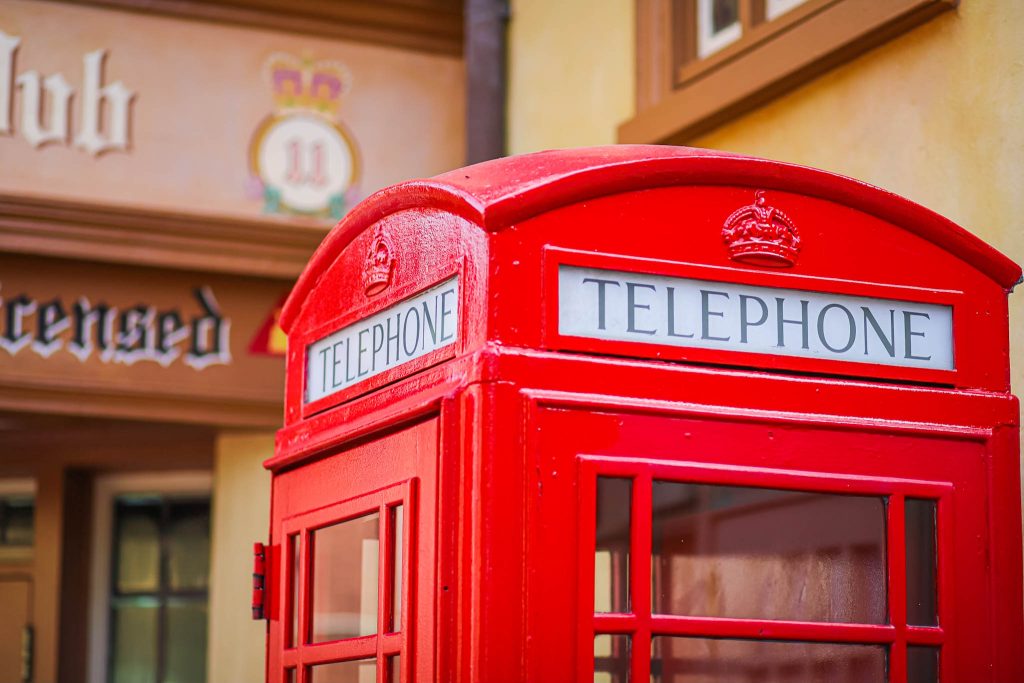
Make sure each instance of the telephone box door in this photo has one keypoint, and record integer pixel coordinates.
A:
(353, 529)
(714, 547)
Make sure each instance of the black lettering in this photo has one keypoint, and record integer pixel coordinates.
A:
(446, 311)
(170, 331)
(410, 350)
(428, 323)
(783, 321)
(869, 321)
(600, 298)
(51, 320)
(349, 375)
(323, 364)
(135, 333)
(210, 333)
(851, 337)
(85, 318)
(909, 334)
(378, 343)
(15, 336)
(362, 350)
(392, 338)
(632, 305)
(671, 293)
(335, 363)
(745, 318)
(706, 313)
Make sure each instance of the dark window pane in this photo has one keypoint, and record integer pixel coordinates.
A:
(294, 547)
(185, 642)
(611, 658)
(289, 676)
(398, 522)
(395, 669)
(18, 521)
(344, 582)
(138, 548)
(724, 14)
(133, 640)
(357, 671)
(921, 562)
(922, 664)
(703, 660)
(611, 549)
(726, 551)
(188, 546)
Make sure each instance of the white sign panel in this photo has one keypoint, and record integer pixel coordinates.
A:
(397, 335)
(653, 309)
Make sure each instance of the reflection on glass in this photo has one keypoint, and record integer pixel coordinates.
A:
(703, 660)
(922, 664)
(921, 562)
(294, 546)
(355, 671)
(134, 628)
(185, 642)
(611, 658)
(188, 543)
(726, 551)
(138, 548)
(611, 548)
(344, 580)
(398, 545)
(724, 14)
(395, 669)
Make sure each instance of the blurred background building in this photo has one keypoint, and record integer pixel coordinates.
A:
(167, 167)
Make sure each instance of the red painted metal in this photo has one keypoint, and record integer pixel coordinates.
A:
(259, 577)
(494, 443)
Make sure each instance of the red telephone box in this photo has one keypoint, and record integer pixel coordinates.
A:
(646, 413)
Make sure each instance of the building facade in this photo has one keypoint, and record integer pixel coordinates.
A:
(165, 173)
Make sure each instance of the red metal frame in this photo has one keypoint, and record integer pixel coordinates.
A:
(505, 431)
(387, 641)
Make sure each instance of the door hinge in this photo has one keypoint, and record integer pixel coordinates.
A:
(259, 578)
(27, 648)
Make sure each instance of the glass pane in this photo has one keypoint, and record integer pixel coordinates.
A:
(294, 546)
(611, 547)
(188, 543)
(611, 658)
(18, 521)
(748, 553)
(922, 664)
(344, 581)
(289, 676)
(395, 669)
(138, 548)
(356, 671)
(133, 641)
(921, 562)
(724, 13)
(185, 642)
(706, 660)
(398, 546)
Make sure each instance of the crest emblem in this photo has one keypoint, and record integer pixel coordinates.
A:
(302, 160)
(761, 235)
(380, 261)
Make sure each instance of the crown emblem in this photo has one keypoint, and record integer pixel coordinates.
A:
(305, 84)
(380, 261)
(761, 235)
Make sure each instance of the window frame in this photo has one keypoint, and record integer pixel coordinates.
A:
(641, 625)
(303, 654)
(679, 96)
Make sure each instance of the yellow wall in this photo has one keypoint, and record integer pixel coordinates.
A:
(570, 80)
(935, 115)
(241, 516)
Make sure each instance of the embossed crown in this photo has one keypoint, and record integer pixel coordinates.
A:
(305, 84)
(379, 261)
(762, 235)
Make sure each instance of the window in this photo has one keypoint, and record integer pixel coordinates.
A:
(706, 573)
(17, 525)
(158, 591)
(347, 596)
(702, 62)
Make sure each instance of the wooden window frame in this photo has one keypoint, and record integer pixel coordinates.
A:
(679, 97)
(641, 624)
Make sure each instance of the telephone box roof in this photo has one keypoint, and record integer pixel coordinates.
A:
(498, 193)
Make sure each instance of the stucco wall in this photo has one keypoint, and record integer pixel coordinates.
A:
(241, 516)
(570, 80)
